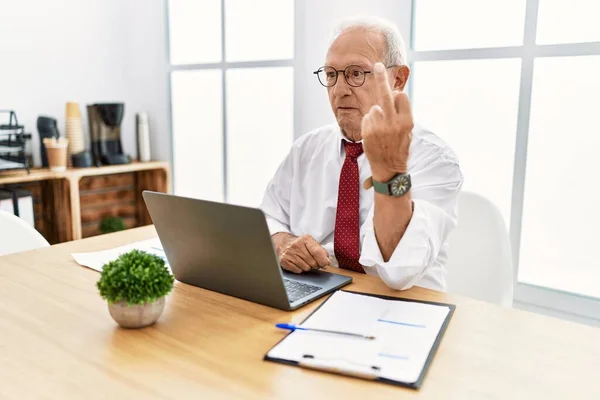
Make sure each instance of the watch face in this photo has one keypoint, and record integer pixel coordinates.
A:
(400, 185)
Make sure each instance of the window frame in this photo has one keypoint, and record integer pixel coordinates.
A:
(550, 301)
(223, 65)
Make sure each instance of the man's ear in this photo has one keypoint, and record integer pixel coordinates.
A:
(400, 75)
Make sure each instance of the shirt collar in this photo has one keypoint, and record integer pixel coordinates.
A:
(341, 139)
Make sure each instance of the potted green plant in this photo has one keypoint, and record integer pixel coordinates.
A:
(135, 286)
(112, 224)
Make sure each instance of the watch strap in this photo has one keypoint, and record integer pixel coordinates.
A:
(382, 187)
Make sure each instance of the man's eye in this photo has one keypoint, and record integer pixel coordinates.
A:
(331, 74)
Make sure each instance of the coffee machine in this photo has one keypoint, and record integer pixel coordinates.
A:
(105, 133)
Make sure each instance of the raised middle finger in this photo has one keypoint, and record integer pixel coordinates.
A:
(384, 91)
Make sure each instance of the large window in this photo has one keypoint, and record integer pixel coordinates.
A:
(512, 86)
(231, 95)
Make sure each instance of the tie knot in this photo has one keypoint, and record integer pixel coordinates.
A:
(353, 150)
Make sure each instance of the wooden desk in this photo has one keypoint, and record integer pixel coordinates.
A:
(57, 340)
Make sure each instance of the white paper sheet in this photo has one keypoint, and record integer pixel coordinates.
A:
(405, 333)
(97, 259)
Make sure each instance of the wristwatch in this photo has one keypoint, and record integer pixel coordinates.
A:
(398, 186)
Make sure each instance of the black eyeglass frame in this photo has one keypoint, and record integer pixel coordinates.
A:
(337, 74)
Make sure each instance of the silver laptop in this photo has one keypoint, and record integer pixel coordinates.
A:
(228, 249)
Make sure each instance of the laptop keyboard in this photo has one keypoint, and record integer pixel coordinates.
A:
(297, 290)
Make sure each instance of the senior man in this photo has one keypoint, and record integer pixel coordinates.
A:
(373, 193)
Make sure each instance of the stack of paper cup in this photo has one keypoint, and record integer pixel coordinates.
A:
(74, 130)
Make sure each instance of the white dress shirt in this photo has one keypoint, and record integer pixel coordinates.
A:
(301, 199)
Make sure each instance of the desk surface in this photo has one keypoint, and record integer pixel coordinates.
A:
(57, 340)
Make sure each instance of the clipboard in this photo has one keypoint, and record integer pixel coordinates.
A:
(366, 370)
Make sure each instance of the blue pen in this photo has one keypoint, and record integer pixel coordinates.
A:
(292, 327)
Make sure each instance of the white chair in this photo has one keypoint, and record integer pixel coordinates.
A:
(479, 255)
(17, 235)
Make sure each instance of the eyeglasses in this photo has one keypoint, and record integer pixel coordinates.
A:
(353, 74)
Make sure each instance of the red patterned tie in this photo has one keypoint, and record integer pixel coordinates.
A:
(346, 239)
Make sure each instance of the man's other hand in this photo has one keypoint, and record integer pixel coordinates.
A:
(300, 254)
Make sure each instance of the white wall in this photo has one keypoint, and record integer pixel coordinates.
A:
(315, 21)
(55, 51)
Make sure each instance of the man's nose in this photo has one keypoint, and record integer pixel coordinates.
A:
(341, 87)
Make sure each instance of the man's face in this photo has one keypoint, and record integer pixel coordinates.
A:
(350, 104)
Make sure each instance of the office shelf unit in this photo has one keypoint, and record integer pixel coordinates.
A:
(70, 205)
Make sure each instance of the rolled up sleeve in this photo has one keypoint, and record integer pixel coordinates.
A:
(435, 198)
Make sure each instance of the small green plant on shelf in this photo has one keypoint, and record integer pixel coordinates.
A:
(112, 224)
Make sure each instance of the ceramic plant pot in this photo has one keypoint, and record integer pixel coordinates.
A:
(137, 315)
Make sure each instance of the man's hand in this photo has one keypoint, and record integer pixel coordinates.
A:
(387, 129)
(300, 254)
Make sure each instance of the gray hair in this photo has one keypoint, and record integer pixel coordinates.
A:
(395, 52)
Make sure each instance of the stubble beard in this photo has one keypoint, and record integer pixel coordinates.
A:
(350, 128)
